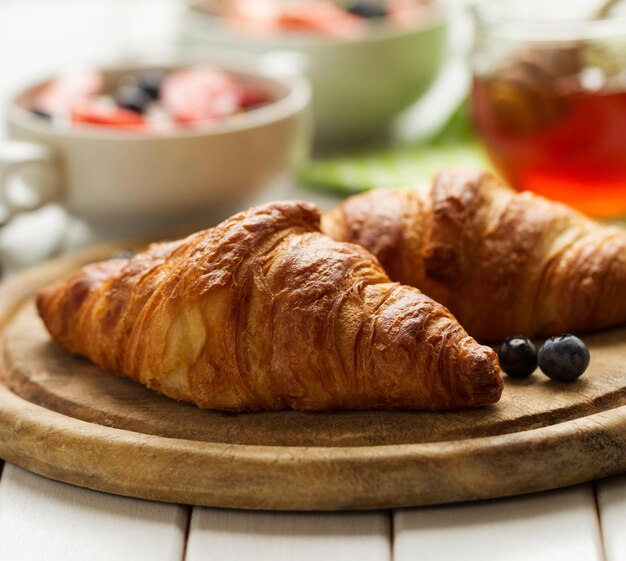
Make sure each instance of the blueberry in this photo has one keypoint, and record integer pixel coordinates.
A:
(518, 357)
(132, 98)
(150, 82)
(369, 9)
(563, 358)
(40, 113)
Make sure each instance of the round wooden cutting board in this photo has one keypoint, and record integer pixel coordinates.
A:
(63, 417)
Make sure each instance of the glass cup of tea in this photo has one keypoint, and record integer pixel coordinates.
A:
(549, 99)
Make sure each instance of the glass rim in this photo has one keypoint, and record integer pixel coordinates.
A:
(507, 26)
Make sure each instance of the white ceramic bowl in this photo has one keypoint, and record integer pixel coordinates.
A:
(99, 173)
(359, 85)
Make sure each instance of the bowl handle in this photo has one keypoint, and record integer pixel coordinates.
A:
(39, 165)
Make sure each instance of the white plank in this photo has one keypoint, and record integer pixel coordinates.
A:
(611, 495)
(227, 535)
(43, 519)
(553, 526)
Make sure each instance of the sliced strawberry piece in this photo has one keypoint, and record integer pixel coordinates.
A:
(61, 95)
(317, 16)
(251, 97)
(323, 17)
(95, 113)
(202, 93)
(254, 16)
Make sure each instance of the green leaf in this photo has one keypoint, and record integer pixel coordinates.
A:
(454, 145)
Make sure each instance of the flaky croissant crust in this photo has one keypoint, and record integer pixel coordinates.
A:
(505, 263)
(263, 312)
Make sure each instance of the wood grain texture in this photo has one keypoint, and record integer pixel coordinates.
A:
(43, 519)
(97, 430)
(554, 526)
(611, 496)
(230, 535)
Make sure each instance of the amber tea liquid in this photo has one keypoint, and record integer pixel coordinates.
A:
(571, 148)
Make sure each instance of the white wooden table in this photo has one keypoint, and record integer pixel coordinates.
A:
(43, 519)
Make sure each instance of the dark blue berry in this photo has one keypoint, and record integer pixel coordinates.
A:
(132, 98)
(563, 358)
(369, 9)
(150, 82)
(518, 357)
(40, 113)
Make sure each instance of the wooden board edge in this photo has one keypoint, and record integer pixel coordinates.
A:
(308, 478)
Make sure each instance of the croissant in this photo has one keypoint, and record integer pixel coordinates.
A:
(263, 312)
(504, 263)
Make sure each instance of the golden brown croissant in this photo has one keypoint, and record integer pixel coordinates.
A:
(264, 312)
(504, 263)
